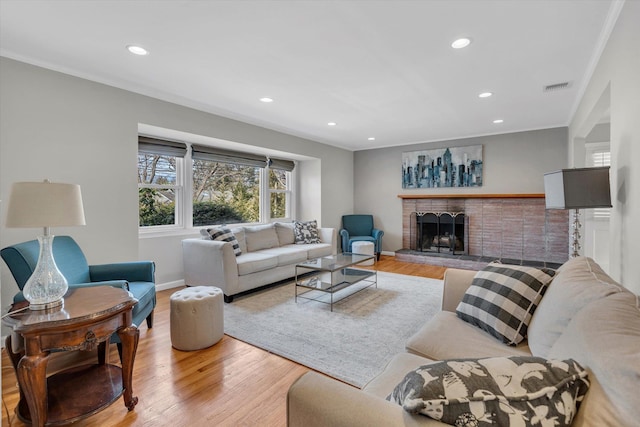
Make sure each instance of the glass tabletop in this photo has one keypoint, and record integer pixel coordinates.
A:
(335, 262)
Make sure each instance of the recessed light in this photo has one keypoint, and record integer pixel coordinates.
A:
(460, 43)
(371, 138)
(331, 124)
(266, 99)
(485, 94)
(137, 50)
(498, 121)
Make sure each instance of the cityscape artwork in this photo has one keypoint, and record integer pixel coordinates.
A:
(443, 167)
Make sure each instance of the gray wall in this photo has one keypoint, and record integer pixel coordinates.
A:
(614, 90)
(513, 163)
(68, 129)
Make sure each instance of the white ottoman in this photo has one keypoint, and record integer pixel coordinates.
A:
(364, 248)
(197, 319)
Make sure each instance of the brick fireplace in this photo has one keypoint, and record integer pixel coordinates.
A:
(514, 228)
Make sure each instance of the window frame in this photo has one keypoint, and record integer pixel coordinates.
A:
(289, 204)
(184, 198)
(179, 191)
(592, 151)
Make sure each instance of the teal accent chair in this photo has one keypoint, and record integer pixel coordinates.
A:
(359, 228)
(137, 277)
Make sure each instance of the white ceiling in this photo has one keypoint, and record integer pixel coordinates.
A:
(382, 69)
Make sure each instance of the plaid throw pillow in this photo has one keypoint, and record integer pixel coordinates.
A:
(502, 299)
(225, 235)
(305, 232)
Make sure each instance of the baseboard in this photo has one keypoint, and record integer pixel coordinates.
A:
(169, 285)
(390, 253)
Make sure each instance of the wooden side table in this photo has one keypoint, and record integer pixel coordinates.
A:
(86, 320)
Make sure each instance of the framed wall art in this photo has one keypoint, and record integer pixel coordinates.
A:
(443, 167)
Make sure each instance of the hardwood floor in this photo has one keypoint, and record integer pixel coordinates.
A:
(229, 384)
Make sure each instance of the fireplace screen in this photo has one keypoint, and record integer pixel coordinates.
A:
(438, 232)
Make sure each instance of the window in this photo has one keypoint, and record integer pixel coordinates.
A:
(598, 154)
(225, 193)
(280, 188)
(227, 187)
(160, 183)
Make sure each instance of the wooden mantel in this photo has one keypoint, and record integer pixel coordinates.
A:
(472, 196)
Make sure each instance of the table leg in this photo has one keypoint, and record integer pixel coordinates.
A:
(15, 359)
(129, 339)
(103, 352)
(32, 377)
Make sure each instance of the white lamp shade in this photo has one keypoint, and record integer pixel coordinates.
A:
(44, 204)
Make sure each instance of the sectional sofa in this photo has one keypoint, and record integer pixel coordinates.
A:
(263, 254)
(584, 316)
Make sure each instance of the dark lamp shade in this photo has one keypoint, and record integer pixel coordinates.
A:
(578, 188)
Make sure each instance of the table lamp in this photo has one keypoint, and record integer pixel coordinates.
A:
(579, 188)
(45, 204)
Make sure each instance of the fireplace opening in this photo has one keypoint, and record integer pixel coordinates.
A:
(442, 232)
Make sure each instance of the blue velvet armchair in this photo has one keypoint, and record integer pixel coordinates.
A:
(137, 277)
(358, 228)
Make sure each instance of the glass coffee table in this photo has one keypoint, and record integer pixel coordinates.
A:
(330, 274)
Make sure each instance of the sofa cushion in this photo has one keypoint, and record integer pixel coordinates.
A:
(261, 237)
(497, 391)
(145, 293)
(446, 336)
(605, 338)
(502, 298)
(317, 250)
(383, 384)
(223, 234)
(577, 283)
(253, 262)
(288, 255)
(285, 233)
(306, 232)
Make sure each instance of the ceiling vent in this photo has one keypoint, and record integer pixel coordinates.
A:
(556, 87)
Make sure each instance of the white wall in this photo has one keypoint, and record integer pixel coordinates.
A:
(512, 163)
(73, 130)
(616, 80)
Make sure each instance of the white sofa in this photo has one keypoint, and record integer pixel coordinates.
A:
(269, 255)
(584, 315)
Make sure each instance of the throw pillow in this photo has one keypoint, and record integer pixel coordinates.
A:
(261, 237)
(504, 391)
(285, 233)
(502, 299)
(223, 234)
(306, 232)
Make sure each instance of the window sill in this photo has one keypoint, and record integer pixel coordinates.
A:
(153, 234)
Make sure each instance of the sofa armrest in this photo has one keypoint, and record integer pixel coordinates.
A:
(315, 400)
(456, 282)
(329, 235)
(210, 263)
(344, 239)
(377, 234)
(136, 271)
(113, 283)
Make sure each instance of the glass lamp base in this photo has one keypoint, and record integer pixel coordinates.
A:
(46, 286)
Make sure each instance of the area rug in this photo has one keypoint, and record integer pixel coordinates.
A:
(354, 342)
